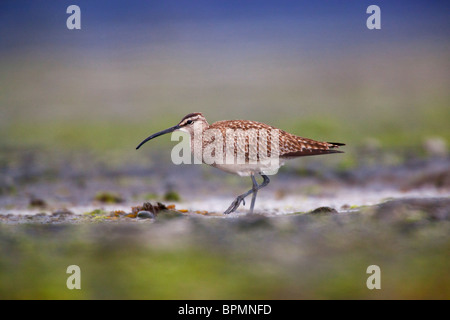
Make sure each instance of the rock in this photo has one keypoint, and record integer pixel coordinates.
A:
(414, 209)
(145, 215)
(36, 202)
(324, 210)
(147, 206)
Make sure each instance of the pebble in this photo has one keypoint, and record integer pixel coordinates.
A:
(145, 215)
(324, 210)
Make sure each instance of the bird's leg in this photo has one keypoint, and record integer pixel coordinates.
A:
(237, 202)
(255, 192)
(265, 182)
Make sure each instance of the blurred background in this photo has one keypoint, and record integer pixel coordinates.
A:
(136, 67)
(74, 104)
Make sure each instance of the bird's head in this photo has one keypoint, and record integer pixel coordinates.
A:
(187, 124)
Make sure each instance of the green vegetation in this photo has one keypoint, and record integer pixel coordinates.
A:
(148, 196)
(172, 196)
(108, 197)
(112, 135)
(324, 98)
(96, 213)
(299, 256)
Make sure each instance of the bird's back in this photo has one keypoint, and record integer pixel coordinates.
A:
(252, 132)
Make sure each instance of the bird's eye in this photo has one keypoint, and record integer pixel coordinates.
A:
(189, 122)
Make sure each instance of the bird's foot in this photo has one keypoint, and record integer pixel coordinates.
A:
(235, 204)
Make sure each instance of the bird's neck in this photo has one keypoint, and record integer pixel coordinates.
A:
(196, 137)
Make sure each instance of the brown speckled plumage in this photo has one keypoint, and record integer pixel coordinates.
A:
(290, 146)
(248, 144)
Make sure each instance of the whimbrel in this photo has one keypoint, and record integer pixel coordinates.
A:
(245, 148)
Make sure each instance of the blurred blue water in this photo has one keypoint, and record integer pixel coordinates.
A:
(118, 24)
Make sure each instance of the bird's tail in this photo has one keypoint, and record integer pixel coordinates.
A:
(336, 144)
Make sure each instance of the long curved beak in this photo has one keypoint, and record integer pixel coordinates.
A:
(169, 130)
